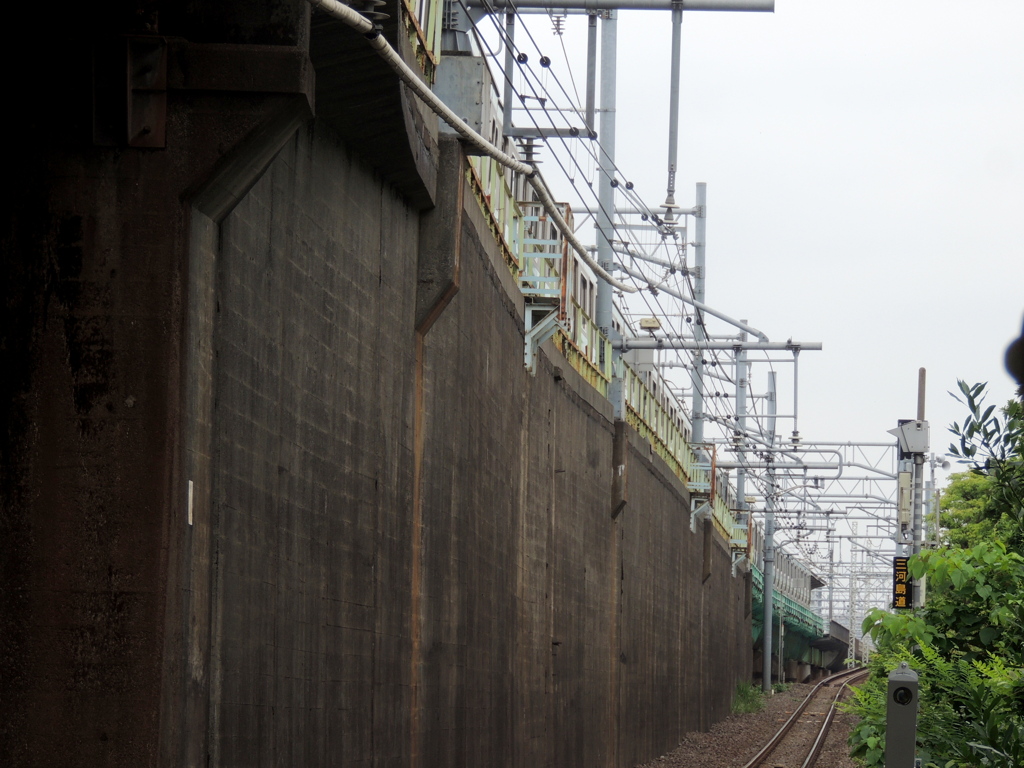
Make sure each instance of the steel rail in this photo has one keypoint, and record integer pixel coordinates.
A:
(819, 741)
(841, 680)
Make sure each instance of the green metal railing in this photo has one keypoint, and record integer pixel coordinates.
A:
(797, 616)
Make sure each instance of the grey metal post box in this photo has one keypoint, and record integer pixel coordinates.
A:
(901, 718)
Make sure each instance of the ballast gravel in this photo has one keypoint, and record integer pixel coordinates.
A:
(732, 742)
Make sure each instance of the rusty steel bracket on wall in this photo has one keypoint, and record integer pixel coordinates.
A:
(539, 331)
(620, 477)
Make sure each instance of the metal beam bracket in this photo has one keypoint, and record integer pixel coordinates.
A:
(703, 511)
(539, 331)
(737, 558)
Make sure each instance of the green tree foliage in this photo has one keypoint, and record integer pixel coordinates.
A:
(965, 521)
(991, 442)
(966, 645)
(967, 641)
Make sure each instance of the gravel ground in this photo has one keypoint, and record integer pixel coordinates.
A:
(732, 742)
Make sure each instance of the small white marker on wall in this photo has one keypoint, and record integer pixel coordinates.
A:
(190, 502)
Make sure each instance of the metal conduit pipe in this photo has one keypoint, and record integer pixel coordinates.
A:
(632, 210)
(360, 23)
(791, 451)
(763, 465)
(697, 305)
(757, 6)
(707, 374)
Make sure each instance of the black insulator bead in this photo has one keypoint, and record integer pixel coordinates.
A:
(522, 58)
(545, 61)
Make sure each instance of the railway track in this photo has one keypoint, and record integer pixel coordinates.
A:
(800, 739)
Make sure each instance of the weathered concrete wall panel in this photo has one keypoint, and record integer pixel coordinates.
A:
(311, 481)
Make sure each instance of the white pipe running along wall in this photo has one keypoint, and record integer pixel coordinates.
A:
(377, 41)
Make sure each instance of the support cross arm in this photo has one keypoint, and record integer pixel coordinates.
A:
(680, 342)
(754, 6)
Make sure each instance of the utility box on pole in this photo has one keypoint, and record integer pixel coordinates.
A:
(912, 436)
(901, 718)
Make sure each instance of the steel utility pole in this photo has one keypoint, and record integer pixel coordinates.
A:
(918, 486)
(913, 436)
(697, 415)
(740, 430)
(769, 549)
(606, 170)
(673, 112)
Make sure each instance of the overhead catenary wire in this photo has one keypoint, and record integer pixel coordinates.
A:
(529, 171)
(360, 23)
(696, 304)
(538, 88)
(543, 194)
(594, 153)
(506, 40)
(627, 188)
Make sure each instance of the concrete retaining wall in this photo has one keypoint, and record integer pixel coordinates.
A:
(498, 616)
(278, 490)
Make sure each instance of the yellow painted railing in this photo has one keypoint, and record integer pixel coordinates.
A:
(489, 181)
(584, 346)
(423, 22)
(516, 228)
(669, 437)
(647, 415)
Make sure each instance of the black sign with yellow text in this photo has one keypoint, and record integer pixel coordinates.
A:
(902, 584)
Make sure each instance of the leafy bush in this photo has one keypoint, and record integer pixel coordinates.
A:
(967, 645)
(966, 719)
(748, 699)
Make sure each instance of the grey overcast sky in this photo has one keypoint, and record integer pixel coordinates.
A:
(865, 175)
